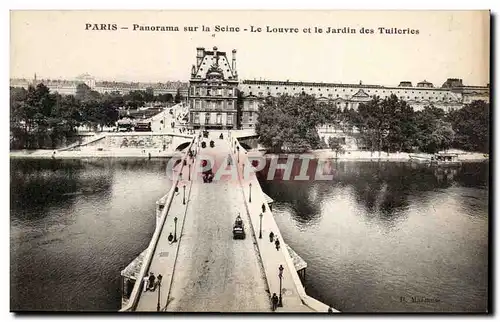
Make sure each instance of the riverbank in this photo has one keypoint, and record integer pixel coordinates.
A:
(93, 153)
(397, 157)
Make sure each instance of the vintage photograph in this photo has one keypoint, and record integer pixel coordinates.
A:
(259, 161)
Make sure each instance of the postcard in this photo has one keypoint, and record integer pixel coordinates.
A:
(255, 161)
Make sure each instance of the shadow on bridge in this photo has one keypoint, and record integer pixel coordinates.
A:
(182, 146)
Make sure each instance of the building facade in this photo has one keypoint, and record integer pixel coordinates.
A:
(450, 96)
(213, 91)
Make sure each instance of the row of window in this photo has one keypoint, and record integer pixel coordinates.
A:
(212, 91)
(331, 95)
(215, 105)
(367, 90)
(210, 120)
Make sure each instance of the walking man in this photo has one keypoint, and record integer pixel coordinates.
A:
(271, 237)
(152, 279)
(277, 243)
(274, 300)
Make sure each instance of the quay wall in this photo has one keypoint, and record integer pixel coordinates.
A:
(134, 297)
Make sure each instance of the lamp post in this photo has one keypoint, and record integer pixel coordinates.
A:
(238, 148)
(260, 230)
(175, 230)
(189, 176)
(250, 193)
(159, 290)
(280, 302)
(184, 194)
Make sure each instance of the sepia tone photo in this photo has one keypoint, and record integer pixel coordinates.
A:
(250, 161)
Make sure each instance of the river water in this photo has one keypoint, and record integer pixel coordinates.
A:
(374, 237)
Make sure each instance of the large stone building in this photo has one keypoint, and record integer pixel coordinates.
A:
(450, 96)
(213, 90)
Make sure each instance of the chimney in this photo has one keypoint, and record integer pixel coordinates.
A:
(193, 71)
(200, 52)
(215, 56)
(233, 65)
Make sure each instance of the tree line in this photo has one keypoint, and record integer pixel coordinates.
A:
(42, 119)
(289, 124)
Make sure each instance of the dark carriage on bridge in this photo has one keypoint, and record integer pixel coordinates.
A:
(238, 228)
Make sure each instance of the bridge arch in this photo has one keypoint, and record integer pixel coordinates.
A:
(245, 146)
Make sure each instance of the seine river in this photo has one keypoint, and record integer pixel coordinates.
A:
(380, 237)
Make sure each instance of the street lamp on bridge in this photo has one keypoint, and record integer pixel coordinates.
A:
(159, 290)
(238, 148)
(250, 193)
(260, 230)
(280, 302)
(184, 194)
(175, 230)
(189, 176)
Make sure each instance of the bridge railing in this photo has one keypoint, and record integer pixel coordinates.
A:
(138, 286)
(307, 300)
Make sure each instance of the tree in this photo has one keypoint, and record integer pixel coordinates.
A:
(288, 123)
(178, 96)
(42, 119)
(85, 93)
(471, 124)
(336, 145)
(165, 98)
(433, 132)
(149, 95)
(373, 123)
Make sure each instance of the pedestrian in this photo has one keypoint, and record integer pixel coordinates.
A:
(145, 281)
(274, 300)
(277, 243)
(271, 237)
(152, 279)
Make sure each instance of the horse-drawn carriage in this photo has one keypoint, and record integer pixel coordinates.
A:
(238, 228)
(208, 174)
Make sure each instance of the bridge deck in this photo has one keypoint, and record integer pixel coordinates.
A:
(214, 272)
(208, 271)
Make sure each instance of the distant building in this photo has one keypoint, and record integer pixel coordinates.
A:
(213, 90)
(68, 87)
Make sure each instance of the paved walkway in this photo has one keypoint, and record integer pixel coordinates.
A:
(271, 257)
(165, 253)
(213, 272)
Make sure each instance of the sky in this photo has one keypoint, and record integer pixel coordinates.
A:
(449, 44)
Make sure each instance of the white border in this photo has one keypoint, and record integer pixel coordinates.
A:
(210, 4)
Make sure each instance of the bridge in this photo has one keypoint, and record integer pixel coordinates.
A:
(203, 269)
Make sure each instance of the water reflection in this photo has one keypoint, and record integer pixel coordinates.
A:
(304, 200)
(381, 188)
(75, 224)
(380, 231)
